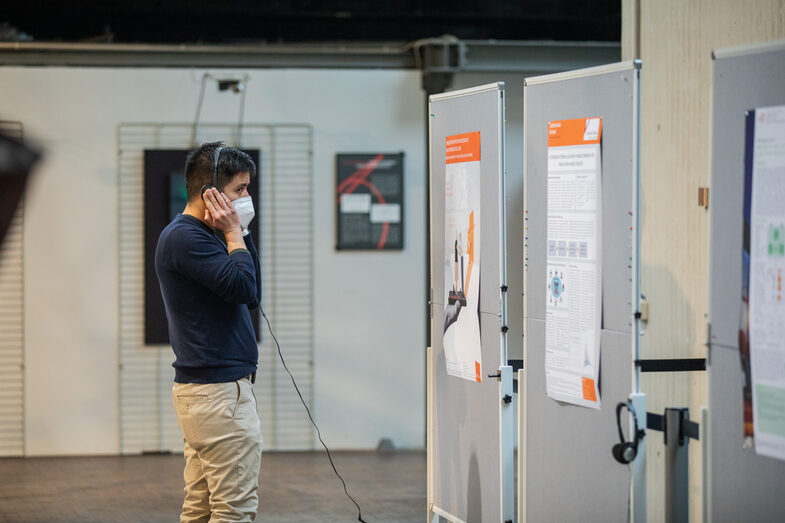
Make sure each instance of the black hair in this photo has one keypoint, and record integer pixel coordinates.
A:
(200, 165)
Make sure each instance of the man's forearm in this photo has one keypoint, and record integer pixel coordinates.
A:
(234, 240)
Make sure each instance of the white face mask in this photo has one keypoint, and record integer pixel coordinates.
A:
(244, 208)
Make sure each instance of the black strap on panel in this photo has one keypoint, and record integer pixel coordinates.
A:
(654, 421)
(672, 365)
(691, 429)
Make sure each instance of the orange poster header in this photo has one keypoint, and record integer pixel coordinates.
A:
(463, 148)
(580, 131)
(588, 389)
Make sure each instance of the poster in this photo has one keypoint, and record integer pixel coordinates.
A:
(574, 275)
(370, 201)
(462, 257)
(764, 269)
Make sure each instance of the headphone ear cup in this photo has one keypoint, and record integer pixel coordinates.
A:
(616, 451)
(624, 452)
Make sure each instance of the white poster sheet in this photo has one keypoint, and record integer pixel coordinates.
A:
(462, 346)
(574, 270)
(766, 274)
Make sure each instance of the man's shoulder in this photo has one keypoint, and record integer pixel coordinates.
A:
(180, 233)
(182, 229)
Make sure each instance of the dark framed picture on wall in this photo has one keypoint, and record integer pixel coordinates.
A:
(369, 201)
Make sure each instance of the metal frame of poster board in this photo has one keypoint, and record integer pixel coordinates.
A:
(739, 484)
(564, 450)
(368, 188)
(470, 437)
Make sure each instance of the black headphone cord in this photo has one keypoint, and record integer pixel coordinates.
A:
(318, 432)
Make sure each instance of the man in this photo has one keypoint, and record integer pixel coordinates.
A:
(208, 269)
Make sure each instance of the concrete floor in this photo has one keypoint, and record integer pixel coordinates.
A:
(295, 487)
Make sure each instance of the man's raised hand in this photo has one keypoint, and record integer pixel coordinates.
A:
(220, 213)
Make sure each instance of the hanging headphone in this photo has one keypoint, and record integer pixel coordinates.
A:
(625, 451)
(216, 157)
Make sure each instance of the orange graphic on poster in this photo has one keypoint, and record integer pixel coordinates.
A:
(463, 148)
(588, 390)
(580, 131)
(470, 249)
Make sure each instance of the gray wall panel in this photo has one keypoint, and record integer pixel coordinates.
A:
(466, 434)
(466, 425)
(478, 112)
(570, 472)
(743, 486)
(568, 448)
(610, 96)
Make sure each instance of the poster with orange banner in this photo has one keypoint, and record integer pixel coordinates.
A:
(574, 270)
(462, 347)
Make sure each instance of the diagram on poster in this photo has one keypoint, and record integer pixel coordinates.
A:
(763, 347)
(574, 275)
(462, 347)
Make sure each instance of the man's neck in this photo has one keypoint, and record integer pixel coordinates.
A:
(193, 210)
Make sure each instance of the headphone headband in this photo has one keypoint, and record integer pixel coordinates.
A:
(216, 157)
(619, 406)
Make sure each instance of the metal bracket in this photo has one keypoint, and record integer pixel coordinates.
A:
(687, 429)
(643, 314)
(703, 197)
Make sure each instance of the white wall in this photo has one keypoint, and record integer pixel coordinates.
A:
(369, 310)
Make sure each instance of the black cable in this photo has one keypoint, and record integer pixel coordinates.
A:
(318, 432)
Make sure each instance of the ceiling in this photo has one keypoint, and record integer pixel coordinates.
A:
(289, 21)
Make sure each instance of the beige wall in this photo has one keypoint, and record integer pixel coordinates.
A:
(675, 40)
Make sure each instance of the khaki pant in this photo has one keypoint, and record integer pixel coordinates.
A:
(223, 450)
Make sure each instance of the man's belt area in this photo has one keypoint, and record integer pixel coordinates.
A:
(251, 377)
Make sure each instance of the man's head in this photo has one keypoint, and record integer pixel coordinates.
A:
(234, 172)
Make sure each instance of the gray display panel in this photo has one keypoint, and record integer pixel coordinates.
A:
(468, 481)
(742, 486)
(570, 472)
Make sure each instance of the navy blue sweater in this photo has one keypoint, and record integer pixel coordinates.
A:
(207, 293)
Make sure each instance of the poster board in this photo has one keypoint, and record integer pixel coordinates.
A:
(369, 206)
(567, 472)
(470, 436)
(740, 486)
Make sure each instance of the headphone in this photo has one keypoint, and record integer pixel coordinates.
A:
(216, 157)
(625, 451)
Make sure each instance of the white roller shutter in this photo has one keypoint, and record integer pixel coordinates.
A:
(12, 327)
